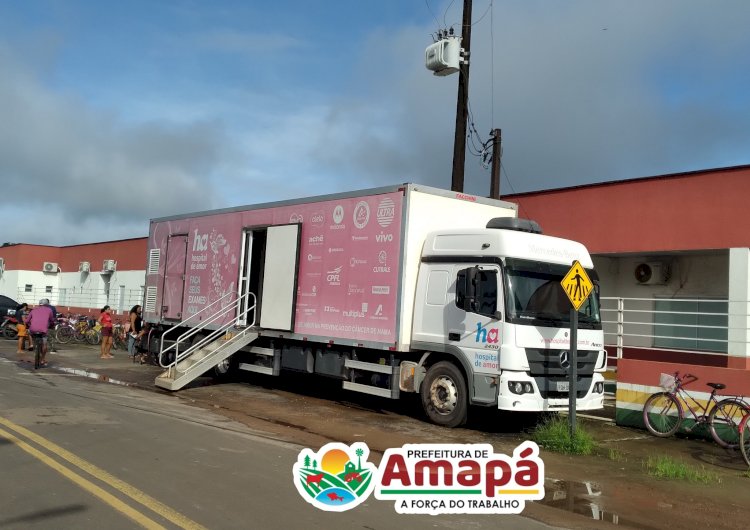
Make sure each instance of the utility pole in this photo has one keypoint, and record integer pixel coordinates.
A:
(462, 112)
(497, 150)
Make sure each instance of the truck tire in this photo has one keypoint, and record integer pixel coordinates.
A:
(226, 370)
(444, 395)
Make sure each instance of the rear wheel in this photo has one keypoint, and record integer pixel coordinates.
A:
(93, 336)
(662, 414)
(10, 331)
(64, 334)
(37, 352)
(444, 395)
(724, 422)
(745, 438)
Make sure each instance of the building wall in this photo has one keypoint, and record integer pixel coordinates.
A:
(70, 289)
(689, 211)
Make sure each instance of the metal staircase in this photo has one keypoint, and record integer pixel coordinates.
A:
(199, 348)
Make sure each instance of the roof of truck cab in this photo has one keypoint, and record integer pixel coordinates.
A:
(489, 243)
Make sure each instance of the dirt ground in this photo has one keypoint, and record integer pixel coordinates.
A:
(611, 488)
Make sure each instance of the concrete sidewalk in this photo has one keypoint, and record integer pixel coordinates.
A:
(84, 360)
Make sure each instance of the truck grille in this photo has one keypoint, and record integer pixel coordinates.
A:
(547, 368)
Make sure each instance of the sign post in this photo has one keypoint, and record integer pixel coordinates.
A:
(577, 286)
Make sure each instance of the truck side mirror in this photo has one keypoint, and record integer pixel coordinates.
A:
(466, 289)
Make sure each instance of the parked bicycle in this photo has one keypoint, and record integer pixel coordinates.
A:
(664, 412)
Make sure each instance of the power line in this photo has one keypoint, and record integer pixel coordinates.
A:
(432, 13)
(446, 13)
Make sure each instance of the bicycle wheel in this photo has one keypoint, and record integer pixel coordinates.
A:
(64, 334)
(724, 422)
(37, 352)
(93, 336)
(662, 414)
(745, 438)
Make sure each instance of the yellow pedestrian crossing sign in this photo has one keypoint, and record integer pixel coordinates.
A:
(577, 285)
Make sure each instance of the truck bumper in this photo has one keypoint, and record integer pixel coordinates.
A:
(507, 400)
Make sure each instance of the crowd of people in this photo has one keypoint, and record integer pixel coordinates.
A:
(38, 321)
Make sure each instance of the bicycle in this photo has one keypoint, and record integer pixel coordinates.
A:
(663, 412)
(38, 339)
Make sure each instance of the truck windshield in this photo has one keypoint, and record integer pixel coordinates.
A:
(535, 297)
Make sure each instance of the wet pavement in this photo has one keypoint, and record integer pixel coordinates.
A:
(611, 488)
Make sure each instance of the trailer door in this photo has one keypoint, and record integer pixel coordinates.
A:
(280, 277)
(174, 277)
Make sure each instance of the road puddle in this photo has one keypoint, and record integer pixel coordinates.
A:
(584, 498)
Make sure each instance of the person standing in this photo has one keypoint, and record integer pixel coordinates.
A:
(39, 321)
(23, 336)
(136, 329)
(105, 319)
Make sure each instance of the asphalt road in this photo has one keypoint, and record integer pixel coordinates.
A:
(77, 454)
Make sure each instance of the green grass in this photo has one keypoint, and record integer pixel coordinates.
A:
(616, 455)
(665, 467)
(553, 434)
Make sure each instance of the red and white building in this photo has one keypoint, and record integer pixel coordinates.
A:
(76, 278)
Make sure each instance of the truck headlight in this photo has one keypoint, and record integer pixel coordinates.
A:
(518, 387)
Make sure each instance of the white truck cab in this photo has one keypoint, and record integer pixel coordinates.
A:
(492, 299)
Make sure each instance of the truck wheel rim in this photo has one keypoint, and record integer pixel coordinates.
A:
(444, 395)
(223, 366)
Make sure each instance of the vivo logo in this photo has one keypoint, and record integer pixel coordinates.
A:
(200, 242)
(491, 336)
(384, 238)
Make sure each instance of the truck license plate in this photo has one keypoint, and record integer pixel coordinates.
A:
(563, 386)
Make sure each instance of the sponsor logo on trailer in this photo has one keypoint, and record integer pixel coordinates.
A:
(378, 314)
(334, 250)
(360, 238)
(354, 262)
(353, 313)
(361, 214)
(384, 238)
(314, 259)
(338, 218)
(318, 219)
(386, 212)
(382, 259)
(381, 289)
(333, 277)
(355, 289)
(316, 240)
(465, 197)
(296, 218)
(331, 309)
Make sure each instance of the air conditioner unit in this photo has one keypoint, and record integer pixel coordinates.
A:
(109, 265)
(48, 266)
(652, 273)
(84, 266)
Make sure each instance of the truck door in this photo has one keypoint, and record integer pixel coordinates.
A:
(174, 277)
(278, 292)
(479, 294)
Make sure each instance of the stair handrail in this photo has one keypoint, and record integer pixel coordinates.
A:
(188, 319)
(218, 315)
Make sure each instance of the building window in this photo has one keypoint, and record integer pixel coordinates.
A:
(28, 288)
(700, 325)
(48, 289)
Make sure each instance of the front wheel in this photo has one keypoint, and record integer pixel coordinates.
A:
(745, 438)
(662, 414)
(10, 331)
(724, 421)
(444, 395)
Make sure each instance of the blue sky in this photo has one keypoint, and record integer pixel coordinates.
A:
(117, 112)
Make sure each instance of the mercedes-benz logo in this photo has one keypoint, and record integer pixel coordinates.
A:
(564, 361)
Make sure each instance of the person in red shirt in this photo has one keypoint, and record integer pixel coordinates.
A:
(105, 319)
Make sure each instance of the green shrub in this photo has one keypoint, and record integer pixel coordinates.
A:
(553, 434)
